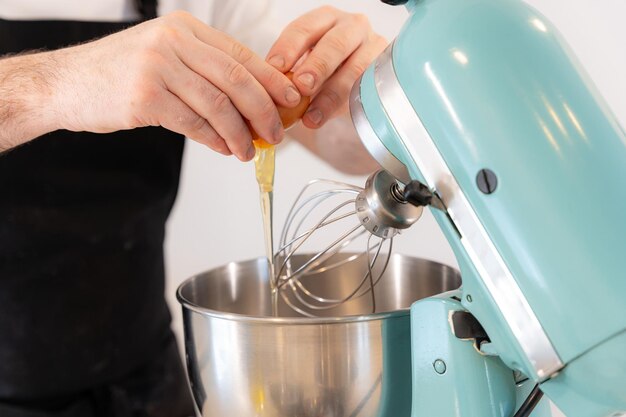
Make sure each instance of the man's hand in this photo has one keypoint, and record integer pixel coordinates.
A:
(332, 49)
(173, 72)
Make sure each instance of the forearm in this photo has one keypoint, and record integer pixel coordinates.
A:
(27, 84)
(338, 144)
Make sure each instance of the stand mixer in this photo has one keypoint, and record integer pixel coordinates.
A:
(481, 112)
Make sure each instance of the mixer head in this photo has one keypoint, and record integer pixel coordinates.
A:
(353, 219)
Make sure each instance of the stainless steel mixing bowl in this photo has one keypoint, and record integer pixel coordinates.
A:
(244, 363)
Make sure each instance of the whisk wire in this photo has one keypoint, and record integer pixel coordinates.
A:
(295, 207)
(296, 284)
(308, 232)
(316, 227)
(302, 269)
(335, 302)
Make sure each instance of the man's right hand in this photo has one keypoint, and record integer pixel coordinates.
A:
(174, 72)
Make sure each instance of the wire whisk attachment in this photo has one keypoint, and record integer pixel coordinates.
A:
(359, 223)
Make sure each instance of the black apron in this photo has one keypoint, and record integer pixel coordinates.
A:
(84, 326)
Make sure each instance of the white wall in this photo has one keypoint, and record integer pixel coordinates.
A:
(216, 218)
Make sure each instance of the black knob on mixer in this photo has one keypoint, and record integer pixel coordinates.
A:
(395, 2)
(417, 194)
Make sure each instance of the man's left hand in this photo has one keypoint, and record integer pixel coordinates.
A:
(332, 49)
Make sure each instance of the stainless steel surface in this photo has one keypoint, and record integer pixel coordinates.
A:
(371, 142)
(495, 273)
(380, 210)
(243, 362)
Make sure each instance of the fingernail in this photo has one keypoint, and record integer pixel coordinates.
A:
(250, 152)
(307, 80)
(315, 115)
(276, 61)
(279, 132)
(292, 95)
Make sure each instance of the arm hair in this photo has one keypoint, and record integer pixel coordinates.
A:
(26, 86)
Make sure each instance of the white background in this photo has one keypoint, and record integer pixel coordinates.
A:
(216, 219)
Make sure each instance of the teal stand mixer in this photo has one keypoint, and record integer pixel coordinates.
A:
(480, 111)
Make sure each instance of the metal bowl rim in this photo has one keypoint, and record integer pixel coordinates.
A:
(292, 320)
(207, 312)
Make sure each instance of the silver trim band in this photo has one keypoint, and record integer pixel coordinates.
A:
(370, 140)
(494, 272)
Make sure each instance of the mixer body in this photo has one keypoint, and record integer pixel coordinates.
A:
(483, 102)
